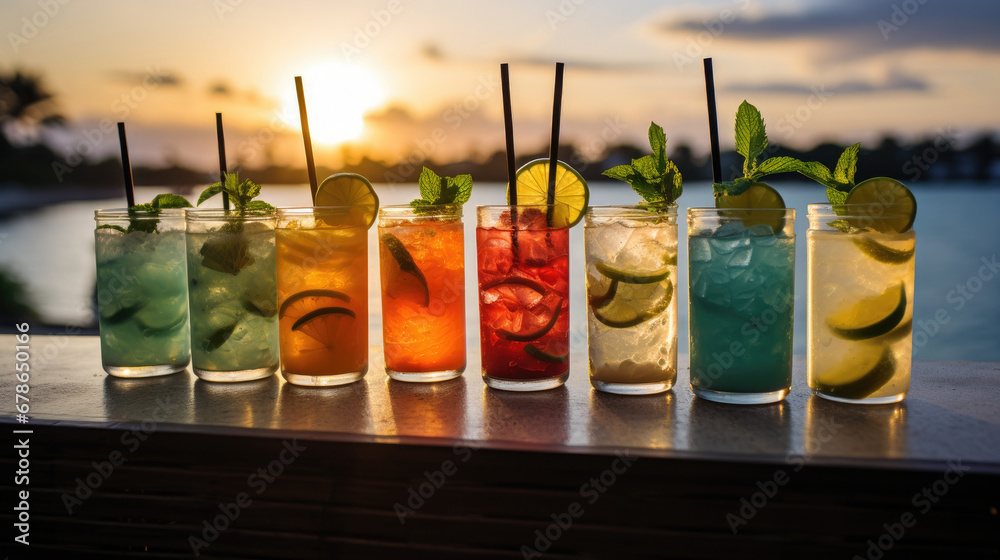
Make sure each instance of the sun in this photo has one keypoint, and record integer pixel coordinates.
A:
(337, 98)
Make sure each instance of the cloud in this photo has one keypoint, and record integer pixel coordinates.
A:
(866, 27)
(433, 52)
(895, 82)
(157, 75)
(220, 88)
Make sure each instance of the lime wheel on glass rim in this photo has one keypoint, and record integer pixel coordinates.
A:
(759, 204)
(571, 191)
(349, 190)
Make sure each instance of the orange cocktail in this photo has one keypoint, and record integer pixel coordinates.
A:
(421, 252)
(322, 267)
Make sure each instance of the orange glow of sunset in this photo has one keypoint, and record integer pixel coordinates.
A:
(337, 98)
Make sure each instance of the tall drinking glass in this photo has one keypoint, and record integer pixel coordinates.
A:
(742, 285)
(142, 292)
(322, 273)
(632, 309)
(523, 298)
(234, 313)
(422, 258)
(860, 303)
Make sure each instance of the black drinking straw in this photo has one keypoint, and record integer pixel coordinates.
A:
(222, 159)
(306, 139)
(713, 122)
(508, 127)
(554, 143)
(126, 166)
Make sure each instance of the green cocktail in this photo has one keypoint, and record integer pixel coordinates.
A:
(142, 292)
(233, 293)
(742, 276)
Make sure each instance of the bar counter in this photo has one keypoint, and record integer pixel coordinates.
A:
(175, 467)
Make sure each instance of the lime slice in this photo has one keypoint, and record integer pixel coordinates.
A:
(870, 317)
(516, 280)
(751, 206)
(397, 285)
(887, 199)
(323, 324)
(543, 356)
(865, 370)
(292, 299)
(571, 195)
(598, 301)
(884, 253)
(633, 304)
(633, 276)
(349, 189)
(532, 335)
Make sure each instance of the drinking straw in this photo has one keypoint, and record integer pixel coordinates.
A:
(222, 159)
(713, 122)
(126, 166)
(508, 127)
(306, 139)
(554, 144)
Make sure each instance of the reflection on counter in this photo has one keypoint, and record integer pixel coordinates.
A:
(247, 403)
(339, 408)
(845, 430)
(760, 429)
(531, 416)
(632, 420)
(428, 409)
(164, 398)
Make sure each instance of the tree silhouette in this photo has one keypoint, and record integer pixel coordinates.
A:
(25, 106)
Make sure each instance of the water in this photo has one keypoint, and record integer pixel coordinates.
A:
(957, 263)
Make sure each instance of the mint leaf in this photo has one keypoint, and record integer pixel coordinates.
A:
(430, 185)
(751, 139)
(658, 143)
(835, 196)
(170, 201)
(112, 226)
(847, 165)
(778, 165)
(435, 189)
(209, 193)
(259, 206)
(646, 166)
(619, 172)
(732, 188)
(463, 189)
(226, 253)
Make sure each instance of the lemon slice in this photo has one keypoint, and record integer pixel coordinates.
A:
(862, 372)
(633, 276)
(633, 304)
(755, 206)
(349, 189)
(870, 317)
(884, 253)
(886, 199)
(571, 197)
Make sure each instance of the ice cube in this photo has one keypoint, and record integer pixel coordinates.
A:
(729, 229)
(718, 275)
(741, 258)
(719, 295)
(729, 244)
(701, 251)
(743, 298)
(764, 240)
(700, 285)
(758, 230)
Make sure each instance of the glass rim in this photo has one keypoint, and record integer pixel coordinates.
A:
(221, 214)
(670, 207)
(710, 210)
(856, 210)
(507, 206)
(400, 211)
(310, 209)
(124, 213)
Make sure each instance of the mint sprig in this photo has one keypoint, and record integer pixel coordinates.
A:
(241, 195)
(229, 252)
(654, 177)
(435, 190)
(159, 202)
(841, 180)
(751, 142)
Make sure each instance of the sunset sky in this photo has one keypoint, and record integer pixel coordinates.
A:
(382, 75)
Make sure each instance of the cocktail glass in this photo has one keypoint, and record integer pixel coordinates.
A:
(422, 258)
(322, 275)
(742, 285)
(860, 306)
(234, 312)
(523, 297)
(142, 292)
(632, 309)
